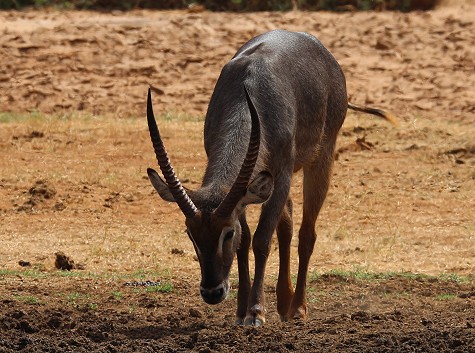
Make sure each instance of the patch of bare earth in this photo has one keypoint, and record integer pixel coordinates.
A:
(74, 184)
(86, 314)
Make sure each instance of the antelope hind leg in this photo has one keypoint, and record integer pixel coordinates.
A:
(316, 182)
(284, 288)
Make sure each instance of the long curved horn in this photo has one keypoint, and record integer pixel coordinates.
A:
(239, 187)
(182, 199)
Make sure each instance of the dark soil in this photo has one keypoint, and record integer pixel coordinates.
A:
(347, 315)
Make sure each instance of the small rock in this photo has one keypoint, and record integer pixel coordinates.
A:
(176, 251)
(23, 263)
(59, 206)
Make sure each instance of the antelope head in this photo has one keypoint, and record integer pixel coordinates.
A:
(212, 216)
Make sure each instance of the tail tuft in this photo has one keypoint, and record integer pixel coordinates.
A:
(378, 112)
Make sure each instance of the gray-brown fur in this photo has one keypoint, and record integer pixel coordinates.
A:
(299, 94)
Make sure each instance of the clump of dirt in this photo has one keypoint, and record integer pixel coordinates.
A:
(32, 135)
(38, 194)
(462, 155)
(115, 197)
(42, 190)
(176, 251)
(24, 263)
(64, 262)
(360, 144)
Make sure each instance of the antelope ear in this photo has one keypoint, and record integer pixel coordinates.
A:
(259, 190)
(160, 185)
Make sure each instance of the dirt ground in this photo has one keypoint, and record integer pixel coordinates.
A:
(393, 268)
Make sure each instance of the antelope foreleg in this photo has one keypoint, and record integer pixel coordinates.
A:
(261, 246)
(243, 268)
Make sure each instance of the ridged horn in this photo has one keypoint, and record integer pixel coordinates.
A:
(181, 197)
(239, 187)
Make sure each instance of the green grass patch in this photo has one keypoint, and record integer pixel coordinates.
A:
(30, 273)
(142, 274)
(315, 296)
(7, 117)
(165, 287)
(80, 301)
(27, 299)
(14, 117)
(364, 275)
(36, 273)
(445, 297)
(164, 275)
(453, 277)
(170, 116)
(73, 298)
(117, 295)
(75, 274)
(177, 116)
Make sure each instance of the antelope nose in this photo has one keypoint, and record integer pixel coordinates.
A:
(214, 295)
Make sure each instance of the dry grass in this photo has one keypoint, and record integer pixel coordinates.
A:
(403, 205)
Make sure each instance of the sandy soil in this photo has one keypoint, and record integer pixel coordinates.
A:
(417, 63)
(73, 180)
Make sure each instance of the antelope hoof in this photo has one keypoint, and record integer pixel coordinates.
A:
(299, 314)
(255, 316)
(254, 321)
(240, 321)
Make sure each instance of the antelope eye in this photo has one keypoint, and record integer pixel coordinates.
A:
(229, 234)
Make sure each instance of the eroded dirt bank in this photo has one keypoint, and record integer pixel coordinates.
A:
(414, 64)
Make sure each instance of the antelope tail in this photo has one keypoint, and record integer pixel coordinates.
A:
(378, 112)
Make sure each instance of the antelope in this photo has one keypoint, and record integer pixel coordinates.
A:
(277, 108)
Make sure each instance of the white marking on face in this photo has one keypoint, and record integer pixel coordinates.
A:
(222, 237)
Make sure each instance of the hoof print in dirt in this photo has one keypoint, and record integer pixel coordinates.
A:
(64, 262)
